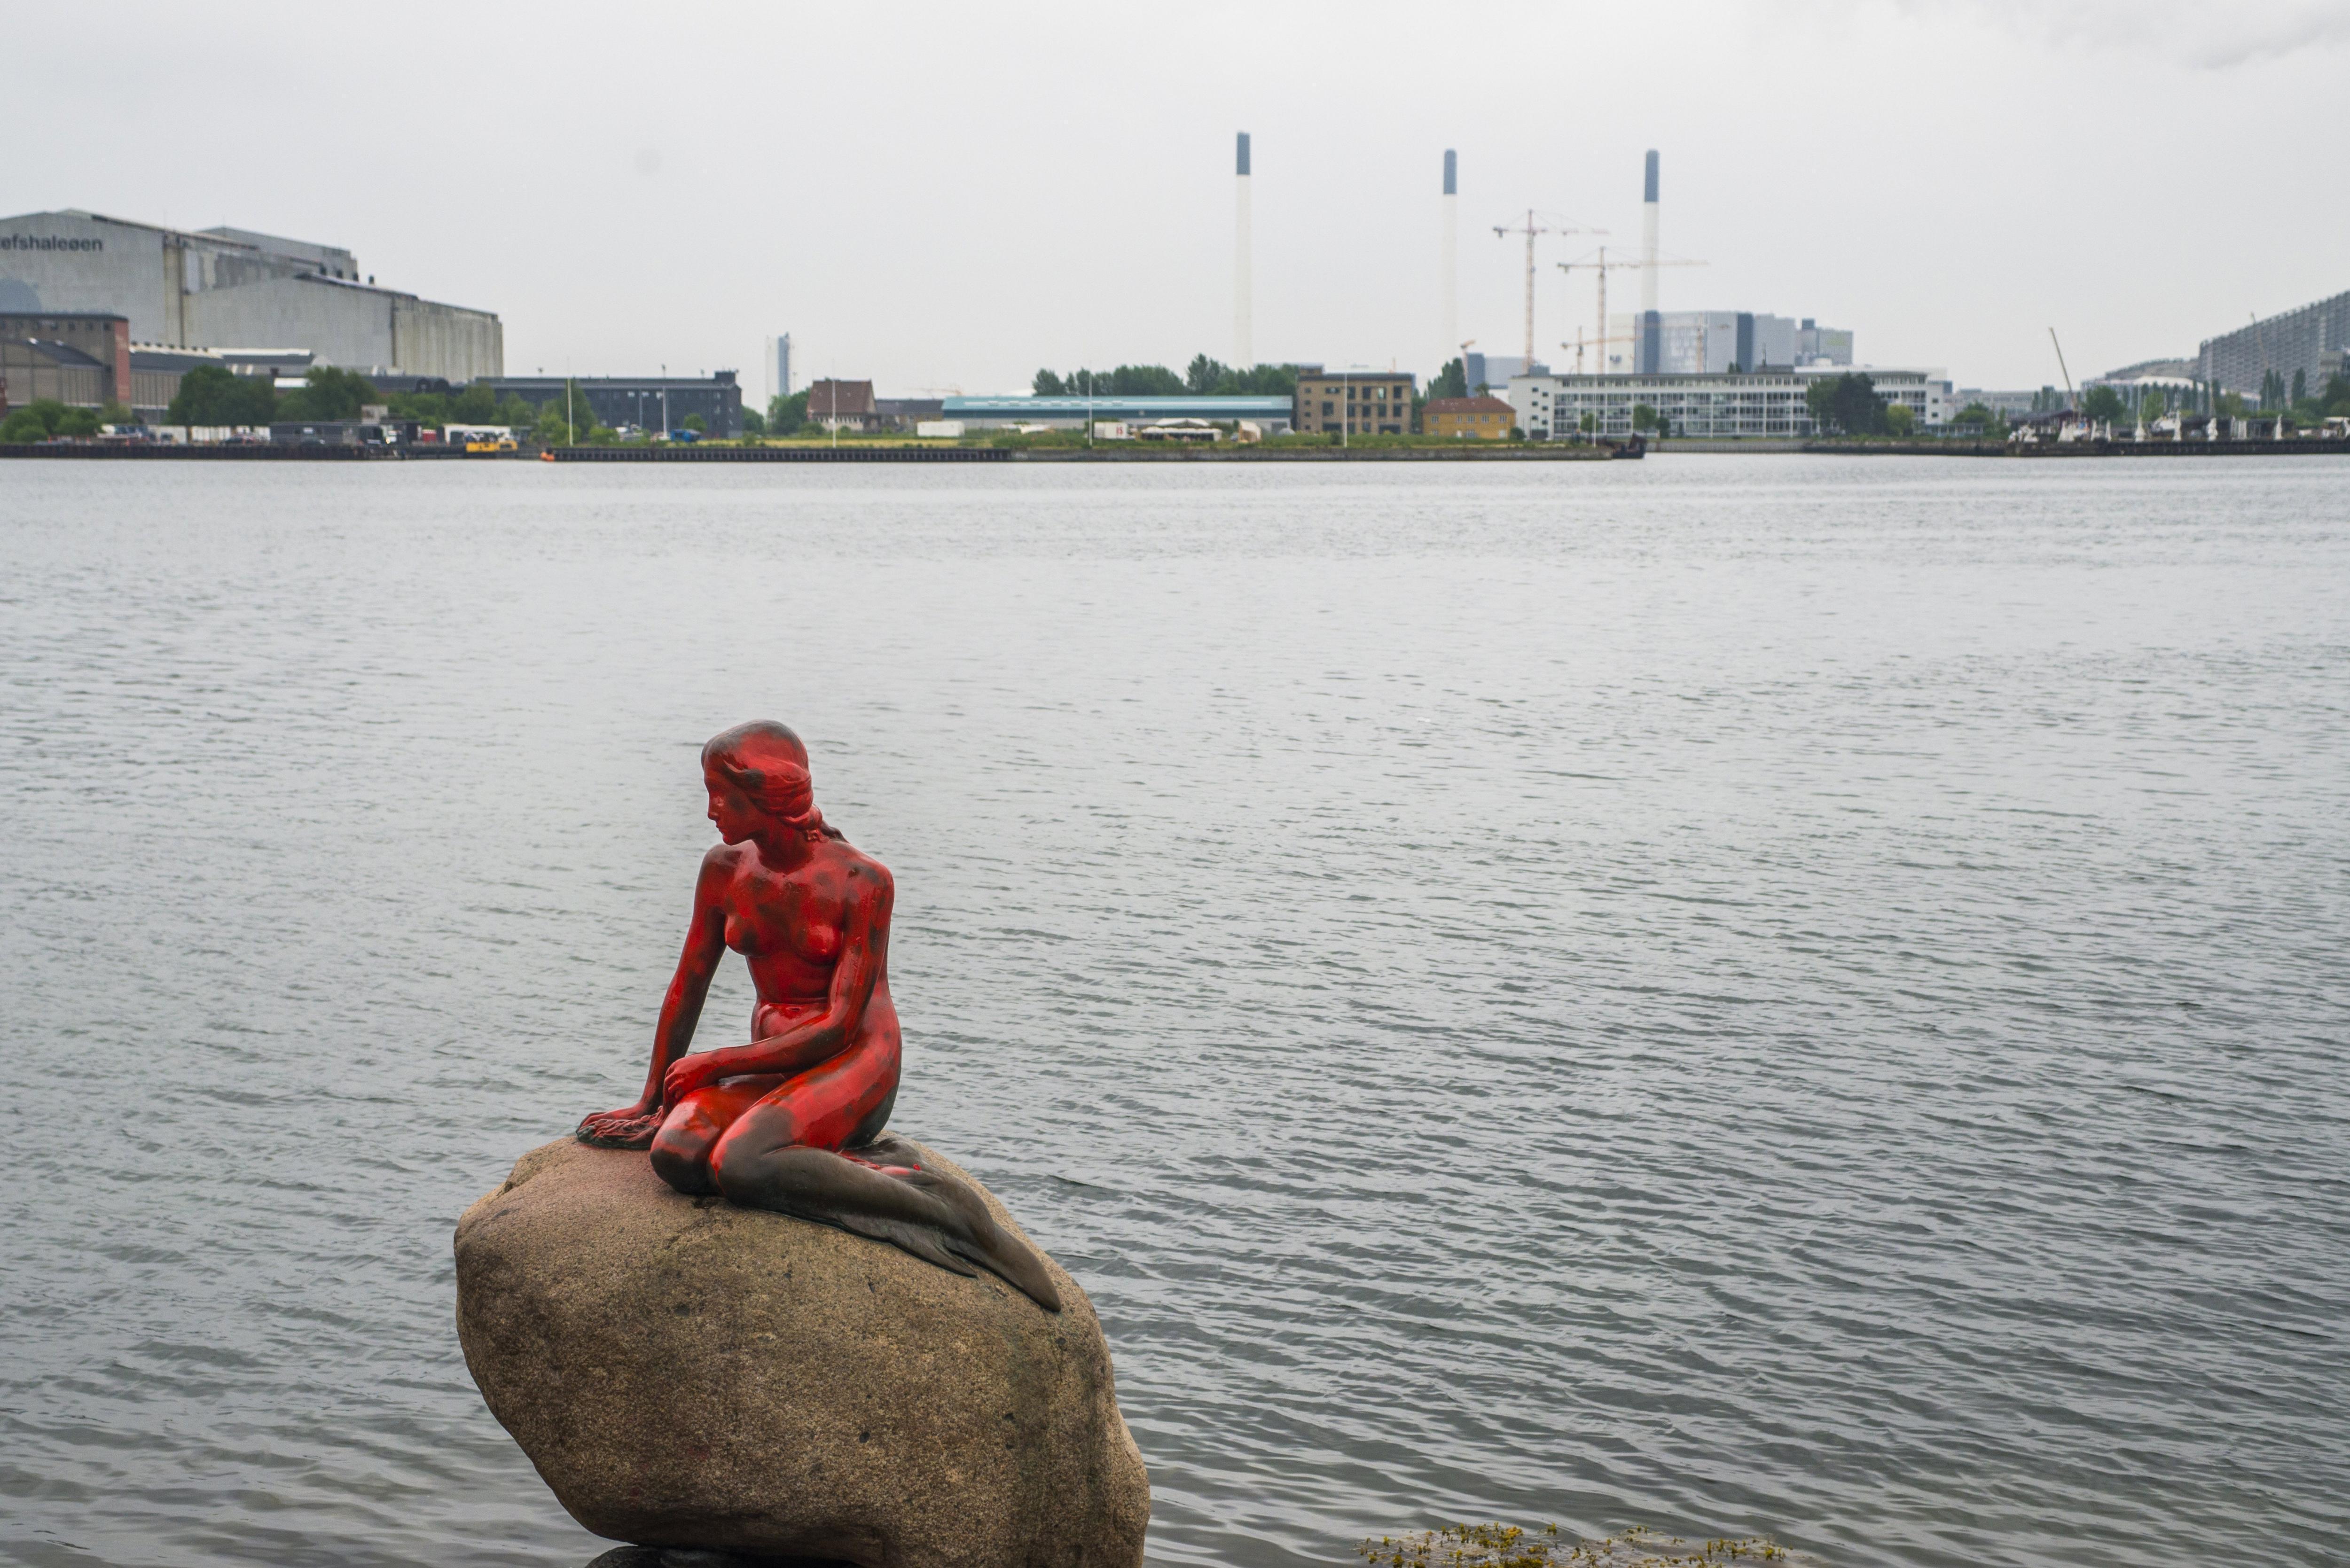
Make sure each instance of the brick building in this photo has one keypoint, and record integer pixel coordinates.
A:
(1368, 403)
(79, 357)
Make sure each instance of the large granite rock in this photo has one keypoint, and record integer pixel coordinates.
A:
(688, 1373)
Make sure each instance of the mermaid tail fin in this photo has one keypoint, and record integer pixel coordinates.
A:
(925, 1243)
(868, 1189)
(981, 1241)
(987, 1243)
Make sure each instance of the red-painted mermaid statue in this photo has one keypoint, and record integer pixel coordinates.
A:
(793, 1120)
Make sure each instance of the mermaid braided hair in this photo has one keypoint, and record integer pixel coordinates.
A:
(767, 762)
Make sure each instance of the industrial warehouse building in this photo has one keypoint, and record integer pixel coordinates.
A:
(1767, 404)
(86, 359)
(80, 359)
(226, 286)
(644, 403)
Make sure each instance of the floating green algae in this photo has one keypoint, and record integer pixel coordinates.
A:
(1508, 1546)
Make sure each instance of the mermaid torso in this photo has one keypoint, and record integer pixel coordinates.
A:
(791, 928)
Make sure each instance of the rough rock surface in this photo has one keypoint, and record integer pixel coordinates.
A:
(688, 1373)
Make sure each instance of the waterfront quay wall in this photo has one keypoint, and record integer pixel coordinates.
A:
(2291, 447)
(174, 452)
(287, 451)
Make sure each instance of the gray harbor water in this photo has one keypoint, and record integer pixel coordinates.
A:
(1740, 995)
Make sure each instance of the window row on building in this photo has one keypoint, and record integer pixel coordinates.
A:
(1708, 406)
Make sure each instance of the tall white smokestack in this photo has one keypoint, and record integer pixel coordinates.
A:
(1649, 238)
(1452, 256)
(1243, 305)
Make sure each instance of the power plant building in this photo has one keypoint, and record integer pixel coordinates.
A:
(1651, 341)
(2308, 342)
(226, 286)
(1497, 370)
(1714, 342)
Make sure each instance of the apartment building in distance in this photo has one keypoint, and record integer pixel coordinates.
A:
(1768, 404)
(1356, 402)
(2308, 342)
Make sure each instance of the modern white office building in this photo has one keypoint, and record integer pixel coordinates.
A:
(226, 287)
(2009, 402)
(1764, 404)
(2174, 379)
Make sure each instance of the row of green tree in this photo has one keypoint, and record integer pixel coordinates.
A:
(45, 417)
(2277, 396)
(2332, 401)
(1849, 405)
(785, 416)
(1452, 381)
(209, 395)
(1203, 378)
(2296, 398)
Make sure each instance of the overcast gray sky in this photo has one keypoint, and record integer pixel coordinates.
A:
(947, 196)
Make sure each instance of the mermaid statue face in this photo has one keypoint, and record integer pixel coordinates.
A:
(734, 813)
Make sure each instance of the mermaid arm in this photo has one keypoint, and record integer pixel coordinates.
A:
(863, 957)
(705, 945)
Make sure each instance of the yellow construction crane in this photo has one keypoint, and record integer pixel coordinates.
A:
(1601, 267)
(1530, 230)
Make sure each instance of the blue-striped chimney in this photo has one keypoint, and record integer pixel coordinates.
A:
(1243, 305)
(1649, 242)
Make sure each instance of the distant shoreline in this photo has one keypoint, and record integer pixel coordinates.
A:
(857, 452)
(874, 451)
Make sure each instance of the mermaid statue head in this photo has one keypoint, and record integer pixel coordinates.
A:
(760, 770)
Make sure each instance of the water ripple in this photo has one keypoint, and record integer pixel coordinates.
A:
(1741, 995)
